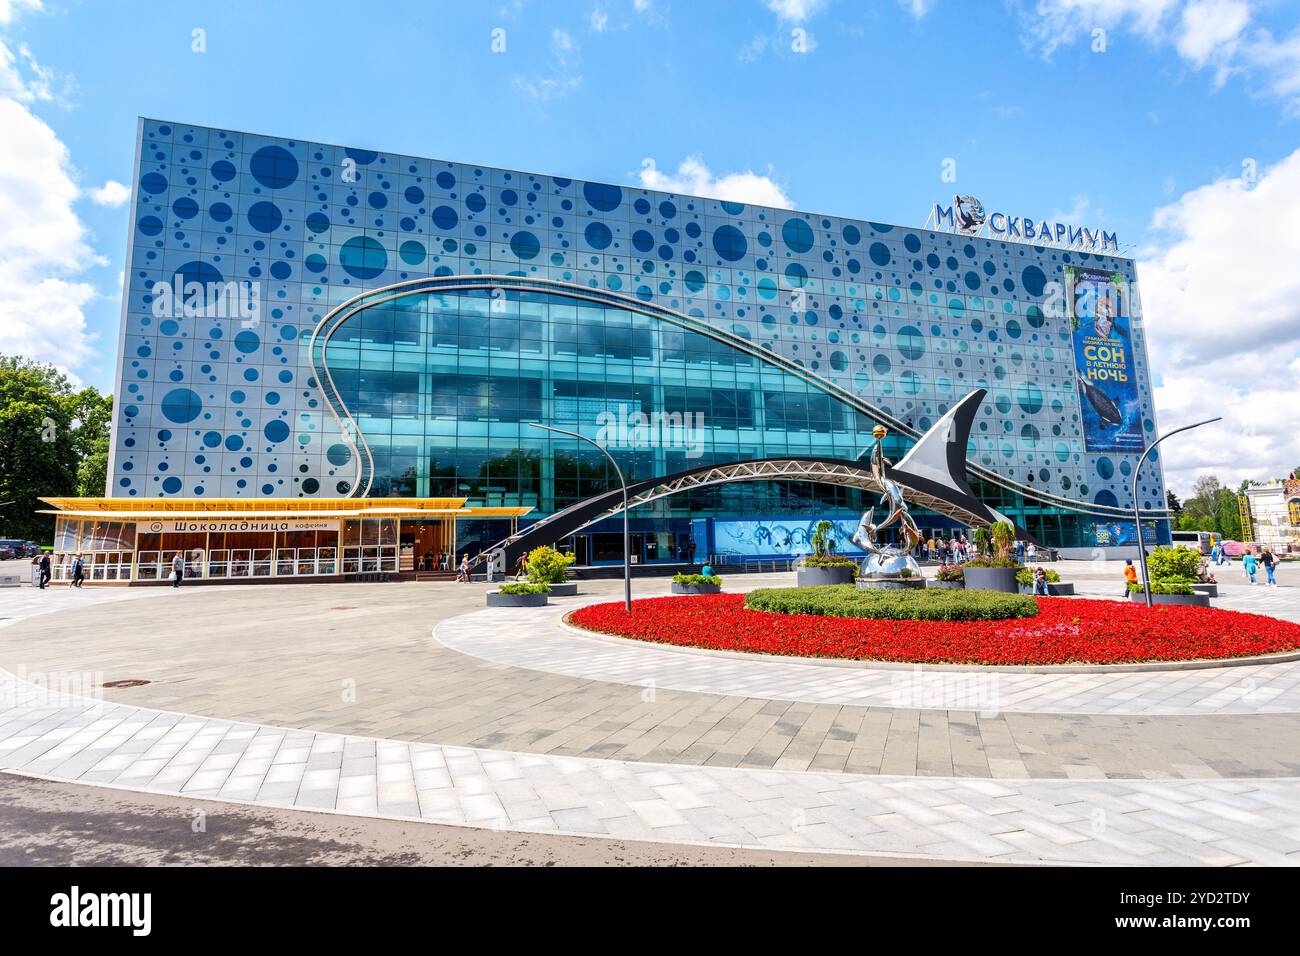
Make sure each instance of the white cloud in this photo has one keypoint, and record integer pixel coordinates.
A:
(599, 20)
(917, 8)
(111, 194)
(1221, 306)
(694, 178)
(795, 11)
(547, 88)
(1206, 34)
(43, 244)
(9, 9)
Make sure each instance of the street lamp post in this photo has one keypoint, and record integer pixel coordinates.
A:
(1137, 516)
(627, 538)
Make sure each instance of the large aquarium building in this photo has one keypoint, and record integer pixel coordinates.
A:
(307, 321)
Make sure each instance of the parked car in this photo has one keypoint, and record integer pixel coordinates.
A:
(15, 548)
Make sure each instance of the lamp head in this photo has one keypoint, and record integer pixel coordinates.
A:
(880, 431)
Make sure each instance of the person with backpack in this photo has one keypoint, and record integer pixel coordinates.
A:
(1270, 566)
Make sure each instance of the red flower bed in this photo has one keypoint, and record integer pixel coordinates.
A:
(1066, 631)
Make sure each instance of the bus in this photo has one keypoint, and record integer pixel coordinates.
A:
(1202, 541)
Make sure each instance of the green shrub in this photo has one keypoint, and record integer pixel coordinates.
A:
(982, 540)
(1167, 586)
(950, 572)
(984, 562)
(1027, 576)
(547, 566)
(695, 580)
(1002, 534)
(827, 561)
(847, 600)
(1165, 563)
(522, 587)
(822, 542)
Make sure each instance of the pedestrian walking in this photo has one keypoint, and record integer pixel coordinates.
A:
(463, 573)
(44, 565)
(1270, 566)
(1130, 576)
(1249, 565)
(78, 572)
(178, 570)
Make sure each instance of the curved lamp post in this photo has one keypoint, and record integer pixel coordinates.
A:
(627, 538)
(1137, 516)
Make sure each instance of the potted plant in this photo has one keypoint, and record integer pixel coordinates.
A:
(824, 566)
(949, 576)
(550, 567)
(519, 594)
(1173, 573)
(696, 584)
(982, 540)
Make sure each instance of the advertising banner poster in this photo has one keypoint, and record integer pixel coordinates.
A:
(1103, 359)
(779, 537)
(1111, 534)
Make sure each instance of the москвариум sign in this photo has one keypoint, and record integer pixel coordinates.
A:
(966, 215)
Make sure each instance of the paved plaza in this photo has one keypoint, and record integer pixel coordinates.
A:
(411, 702)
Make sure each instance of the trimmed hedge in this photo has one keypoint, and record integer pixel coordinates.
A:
(827, 561)
(951, 573)
(981, 561)
(695, 580)
(847, 600)
(522, 587)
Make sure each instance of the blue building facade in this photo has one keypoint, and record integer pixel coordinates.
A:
(303, 320)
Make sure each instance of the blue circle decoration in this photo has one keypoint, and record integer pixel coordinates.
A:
(153, 183)
(185, 208)
(879, 253)
(363, 257)
(475, 202)
(1033, 280)
(445, 218)
(182, 406)
(247, 341)
(911, 343)
(276, 431)
(412, 252)
(525, 245)
(729, 243)
(414, 195)
(318, 222)
(852, 235)
(220, 212)
(265, 216)
(798, 235)
(338, 455)
(212, 439)
(150, 225)
(223, 171)
(171, 484)
(598, 235)
(446, 180)
(602, 196)
(1029, 397)
(274, 167)
(1105, 468)
(643, 241)
(281, 270)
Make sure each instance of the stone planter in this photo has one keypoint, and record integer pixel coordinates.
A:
(1209, 590)
(566, 589)
(696, 588)
(817, 577)
(1192, 600)
(1059, 589)
(497, 599)
(992, 579)
(890, 584)
(945, 585)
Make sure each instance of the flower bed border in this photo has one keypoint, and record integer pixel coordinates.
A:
(1044, 666)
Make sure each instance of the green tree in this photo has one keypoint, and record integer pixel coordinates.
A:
(1174, 505)
(47, 429)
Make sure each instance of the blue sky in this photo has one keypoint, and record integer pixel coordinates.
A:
(1188, 115)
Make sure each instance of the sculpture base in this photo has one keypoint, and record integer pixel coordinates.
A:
(890, 584)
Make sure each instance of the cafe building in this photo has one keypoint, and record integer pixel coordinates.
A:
(123, 541)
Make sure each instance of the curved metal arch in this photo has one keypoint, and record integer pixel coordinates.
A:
(961, 507)
(335, 318)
